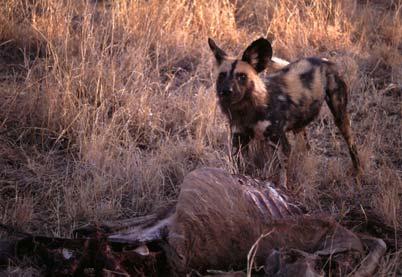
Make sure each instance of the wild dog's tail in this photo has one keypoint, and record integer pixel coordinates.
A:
(277, 64)
(280, 63)
(337, 100)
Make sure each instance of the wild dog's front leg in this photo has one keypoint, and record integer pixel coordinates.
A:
(240, 143)
(303, 132)
(284, 159)
(279, 137)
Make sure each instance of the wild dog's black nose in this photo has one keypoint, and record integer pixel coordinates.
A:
(225, 92)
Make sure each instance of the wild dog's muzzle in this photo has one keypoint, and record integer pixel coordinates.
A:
(224, 88)
(225, 92)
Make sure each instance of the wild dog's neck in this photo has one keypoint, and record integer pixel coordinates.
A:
(259, 96)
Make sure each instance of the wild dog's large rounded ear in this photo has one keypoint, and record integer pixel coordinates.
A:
(258, 54)
(219, 54)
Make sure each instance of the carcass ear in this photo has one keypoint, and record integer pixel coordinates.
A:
(219, 54)
(258, 54)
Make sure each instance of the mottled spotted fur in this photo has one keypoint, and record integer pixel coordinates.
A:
(287, 100)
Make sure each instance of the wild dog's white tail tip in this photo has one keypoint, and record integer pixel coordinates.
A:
(278, 63)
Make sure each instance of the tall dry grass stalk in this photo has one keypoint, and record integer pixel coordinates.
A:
(106, 105)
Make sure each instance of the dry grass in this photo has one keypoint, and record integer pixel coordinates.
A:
(104, 107)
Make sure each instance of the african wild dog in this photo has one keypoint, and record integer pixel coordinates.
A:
(287, 100)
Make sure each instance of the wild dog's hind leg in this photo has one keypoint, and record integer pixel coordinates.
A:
(337, 100)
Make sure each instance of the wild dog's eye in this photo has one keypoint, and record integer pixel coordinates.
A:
(241, 77)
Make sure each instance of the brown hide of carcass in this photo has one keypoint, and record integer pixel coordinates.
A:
(216, 221)
(220, 216)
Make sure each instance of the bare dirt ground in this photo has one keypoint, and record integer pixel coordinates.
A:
(106, 105)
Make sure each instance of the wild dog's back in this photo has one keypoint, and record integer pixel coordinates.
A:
(296, 92)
